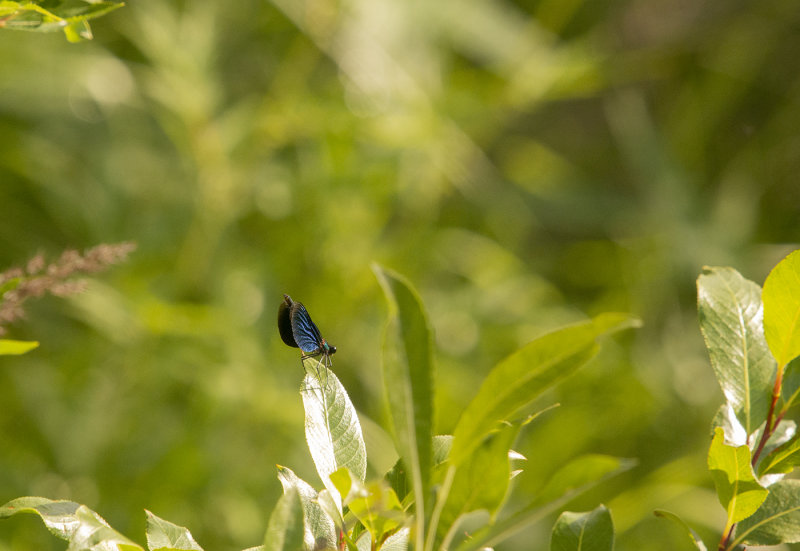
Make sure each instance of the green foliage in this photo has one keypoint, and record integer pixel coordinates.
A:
(80, 526)
(749, 352)
(163, 535)
(782, 309)
(524, 163)
(333, 432)
(369, 515)
(693, 537)
(72, 17)
(590, 531)
(731, 319)
(777, 520)
(285, 531)
(408, 385)
(737, 488)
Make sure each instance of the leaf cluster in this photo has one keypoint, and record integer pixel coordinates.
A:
(753, 338)
(444, 492)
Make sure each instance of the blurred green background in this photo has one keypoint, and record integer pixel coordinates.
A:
(525, 164)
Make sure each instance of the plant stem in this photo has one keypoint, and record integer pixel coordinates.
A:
(723, 543)
(441, 499)
(769, 426)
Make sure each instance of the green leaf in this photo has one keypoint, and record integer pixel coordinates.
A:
(285, 529)
(590, 531)
(781, 297)
(83, 528)
(58, 516)
(319, 526)
(70, 17)
(571, 480)
(778, 519)
(782, 459)
(94, 534)
(397, 541)
(580, 474)
(521, 377)
(731, 320)
(737, 488)
(375, 505)
(333, 431)
(696, 541)
(9, 347)
(482, 481)
(408, 374)
(790, 388)
(162, 534)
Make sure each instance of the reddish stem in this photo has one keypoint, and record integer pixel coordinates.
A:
(769, 427)
(723, 543)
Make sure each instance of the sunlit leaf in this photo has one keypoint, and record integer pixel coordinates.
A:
(285, 529)
(397, 541)
(333, 431)
(70, 17)
(590, 531)
(319, 526)
(737, 488)
(162, 534)
(58, 516)
(83, 528)
(731, 320)
(375, 505)
(726, 419)
(781, 297)
(521, 377)
(695, 539)
(9, 347)
(778, 519)
(408, 374)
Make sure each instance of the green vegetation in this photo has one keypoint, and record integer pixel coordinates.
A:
(528, 166)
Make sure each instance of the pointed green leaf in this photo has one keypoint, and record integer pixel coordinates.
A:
(83, 528)
(9, 347)
(579, 474)
(696, 541)
(521, 377)
(70, 17)
(573, 479)
(285, 529)
(731, 320)
(162, 534)
(333, 431)
(58, 516)
(778, 519)
(397, 541)
(590, 531)
(737, 488)
(375, 505)
(94, 534)
(408, 374)
(782, 459)
(320, 529)
(781, 297)
(790, 389)
(481, 482)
